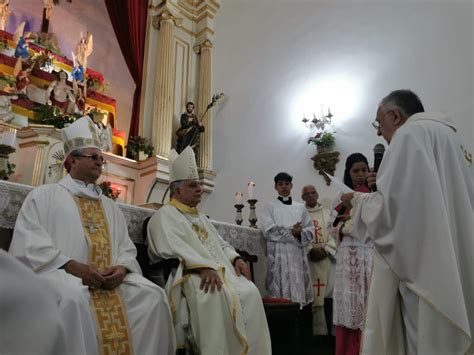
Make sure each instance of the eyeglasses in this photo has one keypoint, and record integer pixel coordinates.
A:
(376, 124)
(93, 157)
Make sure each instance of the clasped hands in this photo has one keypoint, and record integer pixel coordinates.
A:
(296, 230)
(210, 279)
(108, 279)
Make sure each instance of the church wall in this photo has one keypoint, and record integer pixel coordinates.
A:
(276, 60)
(68, 20)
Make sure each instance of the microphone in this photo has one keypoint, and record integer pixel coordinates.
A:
(379, 149)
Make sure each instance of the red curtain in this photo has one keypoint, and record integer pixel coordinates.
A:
(128, 19)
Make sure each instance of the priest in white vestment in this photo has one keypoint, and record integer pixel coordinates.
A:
(216, 309)
(77, 239)
(30, 322)
(322, 261)
(421, 297)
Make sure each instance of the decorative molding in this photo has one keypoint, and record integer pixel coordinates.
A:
(163, 169)
(32, 144)
(207, 178)
(36, 179)
(166, 15)
(326, 162)
(206, 44)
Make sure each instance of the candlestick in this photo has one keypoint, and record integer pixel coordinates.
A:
(251, 190)
(252, 215)
(238, 215)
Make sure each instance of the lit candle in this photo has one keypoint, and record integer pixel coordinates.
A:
(238, 198)
(251, 190)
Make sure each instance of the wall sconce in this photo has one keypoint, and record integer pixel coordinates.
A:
(318, 123)
(325, 159)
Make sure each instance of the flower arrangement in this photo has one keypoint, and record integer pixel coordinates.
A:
(43, 60)
(137, 144)
(323, 139)
(109, 190)
(3, 43)
(52, 115)
(215, 99)
(95, 81)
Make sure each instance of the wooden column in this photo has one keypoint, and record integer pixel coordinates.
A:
(164, 87)
(204, 158)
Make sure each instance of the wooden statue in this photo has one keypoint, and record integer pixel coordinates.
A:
(4, 13)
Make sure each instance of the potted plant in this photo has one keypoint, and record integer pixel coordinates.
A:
(324, 141)
(109, 190)
(139, 148)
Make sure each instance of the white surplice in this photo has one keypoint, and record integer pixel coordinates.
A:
(49, 232)
(29, 312)
(421, 297)
(322, 272)
(288, 273)
(229, 322)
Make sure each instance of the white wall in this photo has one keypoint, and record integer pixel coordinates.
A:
(275, 59)
(68, 20)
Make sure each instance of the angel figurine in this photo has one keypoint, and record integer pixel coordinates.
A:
(21, 50)
(4, 13)
(22, 77)
(83, 50)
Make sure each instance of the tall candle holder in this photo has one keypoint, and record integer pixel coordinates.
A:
(252, 215)
(238, 215)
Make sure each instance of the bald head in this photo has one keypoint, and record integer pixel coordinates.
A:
(310, 196)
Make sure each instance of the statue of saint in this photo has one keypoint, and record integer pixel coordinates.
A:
(4, 13)
(191, 127)
(60, 94)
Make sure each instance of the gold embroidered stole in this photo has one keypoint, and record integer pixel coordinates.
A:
(109, 309)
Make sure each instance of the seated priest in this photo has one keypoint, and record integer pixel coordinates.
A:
(226, 314)
(76, 239)
(28, 310)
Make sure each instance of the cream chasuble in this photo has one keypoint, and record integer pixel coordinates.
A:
(421, 223)
(322, 272)
(231, 321)
(52, 229)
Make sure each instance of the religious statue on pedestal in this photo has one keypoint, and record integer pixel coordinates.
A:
(60, 94)
(4, 13)
(83, 51)
(191, 127)
(22, 77)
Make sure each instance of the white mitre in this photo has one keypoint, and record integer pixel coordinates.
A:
(81, 134)
(183, 166)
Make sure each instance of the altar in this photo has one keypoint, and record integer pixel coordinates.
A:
(246, 239)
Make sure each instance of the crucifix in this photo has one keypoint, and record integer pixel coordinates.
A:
(318, 284)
